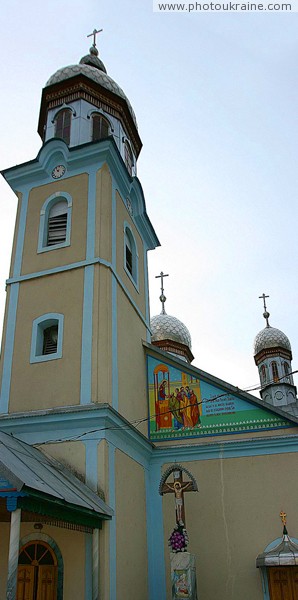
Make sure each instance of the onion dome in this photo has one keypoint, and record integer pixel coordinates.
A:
(270, 337)
(92, 67)
(169, 333)
(271, 341)
(88, 82)
(165, 326)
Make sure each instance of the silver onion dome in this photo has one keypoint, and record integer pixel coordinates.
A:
(166, 327)
(92, 67)
(270, 337)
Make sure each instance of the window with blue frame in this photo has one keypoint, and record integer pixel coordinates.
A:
(55, 222)
(130, 255)
(47, 337)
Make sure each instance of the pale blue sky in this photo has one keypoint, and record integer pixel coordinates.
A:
(216, 103)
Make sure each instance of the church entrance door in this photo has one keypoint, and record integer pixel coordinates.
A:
(283, 583)
(37, 572)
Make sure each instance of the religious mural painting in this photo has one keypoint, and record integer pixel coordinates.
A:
(183, 406)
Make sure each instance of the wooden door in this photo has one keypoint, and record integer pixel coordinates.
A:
(47, 583)
(25, 587)
(283, 583)
(37, 572)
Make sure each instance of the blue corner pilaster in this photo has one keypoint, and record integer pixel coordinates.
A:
(155, 536)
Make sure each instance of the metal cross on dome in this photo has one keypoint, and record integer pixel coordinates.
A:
(266, 314)
(162, 296)
(94, 34)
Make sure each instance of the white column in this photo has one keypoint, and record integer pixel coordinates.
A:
(95, 564)
(13, 556)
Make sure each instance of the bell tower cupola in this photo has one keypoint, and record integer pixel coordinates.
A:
(273, 356)
(81, 103)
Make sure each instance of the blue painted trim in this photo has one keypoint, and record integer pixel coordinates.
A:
(43, 537)
(129, 240)
(91, 216)
(155, 536)
(44, 218)
(88, 566)
(86, 354)
(9, 348)
(112, 525)
(91, 447)
(146, 292)
(79, 265)
(21, 234)
(38, 327)
(115, 374)
(114, 226)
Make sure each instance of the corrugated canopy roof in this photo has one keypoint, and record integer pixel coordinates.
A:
(28, 468)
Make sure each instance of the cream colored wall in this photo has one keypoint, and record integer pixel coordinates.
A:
(55, 382)
(232, 518)
(102, 336)
(77, 187)
(103, 225)
(122, 216)
(132, 580)
(131, 362)
(71, 454)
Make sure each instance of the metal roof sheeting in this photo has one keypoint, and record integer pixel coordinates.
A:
(30, 467)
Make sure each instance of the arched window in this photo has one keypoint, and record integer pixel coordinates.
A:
(47, 337)
(275, 374)
(100, 128)
(263, 374)
(128, 157)
(62, 125)
(130, 254)
(286, 368)
(55, 222)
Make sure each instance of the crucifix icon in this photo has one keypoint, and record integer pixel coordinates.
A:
(94, 34)
(162, 296)
(178, 487)
(266, 314)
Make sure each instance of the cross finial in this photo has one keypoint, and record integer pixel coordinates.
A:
(266, 314)
(94, 34)
(162, 296)
(283, 517)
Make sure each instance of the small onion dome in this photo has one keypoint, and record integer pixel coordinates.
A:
(171, 335)
(270, 337)
(93, 68)
(284, 554)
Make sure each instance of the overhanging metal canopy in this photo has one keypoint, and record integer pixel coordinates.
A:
(38, 483)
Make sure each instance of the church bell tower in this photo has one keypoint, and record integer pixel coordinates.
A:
(77, 294)
(273, 356)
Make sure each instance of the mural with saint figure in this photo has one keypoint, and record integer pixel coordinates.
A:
(181, 405)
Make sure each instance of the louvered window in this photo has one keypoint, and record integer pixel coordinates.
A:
(275, 372)
(50, 340)
(128, 158)
(63, 122)
(100, 128)
(57, 224)
(130, 255)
